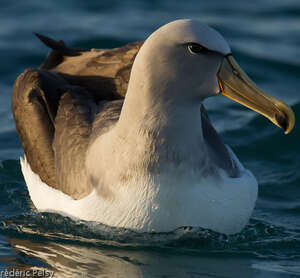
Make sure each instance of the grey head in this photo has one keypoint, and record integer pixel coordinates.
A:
(183, 57)
(186, 61)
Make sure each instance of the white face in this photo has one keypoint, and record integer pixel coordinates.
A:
(184, 56)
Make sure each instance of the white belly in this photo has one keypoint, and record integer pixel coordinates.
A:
(162, 203)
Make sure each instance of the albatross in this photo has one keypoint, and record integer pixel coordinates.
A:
(120, 136)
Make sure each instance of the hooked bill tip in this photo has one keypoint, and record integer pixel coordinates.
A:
(282, 121)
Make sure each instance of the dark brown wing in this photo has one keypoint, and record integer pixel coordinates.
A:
(34, 104)
(37, 102)
(103, 72)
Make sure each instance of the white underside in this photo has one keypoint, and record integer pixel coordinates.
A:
(162, 203)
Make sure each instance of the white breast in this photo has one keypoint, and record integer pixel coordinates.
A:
(178, 197)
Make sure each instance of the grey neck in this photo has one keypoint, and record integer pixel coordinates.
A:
(167, 125)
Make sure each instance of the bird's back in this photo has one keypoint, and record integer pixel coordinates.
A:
(58, 106)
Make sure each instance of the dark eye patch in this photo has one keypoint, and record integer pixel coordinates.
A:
(196, 48)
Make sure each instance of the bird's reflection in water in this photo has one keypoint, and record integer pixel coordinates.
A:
(76, 260)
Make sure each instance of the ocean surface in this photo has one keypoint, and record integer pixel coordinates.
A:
(265, 40)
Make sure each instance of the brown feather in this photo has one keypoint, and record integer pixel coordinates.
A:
(39, 97)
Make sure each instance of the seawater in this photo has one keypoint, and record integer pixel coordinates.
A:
(265, 38)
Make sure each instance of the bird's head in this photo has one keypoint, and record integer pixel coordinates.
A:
(191, 61)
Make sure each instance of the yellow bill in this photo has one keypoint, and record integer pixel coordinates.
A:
(235, 84)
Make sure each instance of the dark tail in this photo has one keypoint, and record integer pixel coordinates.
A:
(59, 51)
(59, 46)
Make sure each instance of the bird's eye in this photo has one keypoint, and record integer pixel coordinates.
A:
(195, 48)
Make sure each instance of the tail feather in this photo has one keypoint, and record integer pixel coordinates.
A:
(59, 46)
(59, 51)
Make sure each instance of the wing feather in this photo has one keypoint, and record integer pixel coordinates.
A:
(59, 108)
